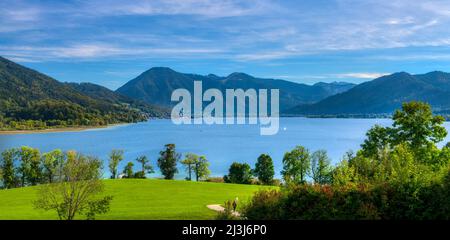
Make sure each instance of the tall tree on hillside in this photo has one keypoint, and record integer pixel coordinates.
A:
(167, 162)
(321, 170)
(146, 168)
(115, 157)
(52, 162)
(189, 162)
(201, 168)
(296, 165)
(7, 166)
(414, 125)
(264, 169)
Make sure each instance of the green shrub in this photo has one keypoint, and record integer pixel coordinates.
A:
(265, 205)
(227, 213)
(395, 201)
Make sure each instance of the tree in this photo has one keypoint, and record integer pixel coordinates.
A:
(30, 166)
(201, 168)
(413, 125)
(264, 169)
(52, 162)
(115, 157)
(95, 207)
(378, 137)
(416, 125)
(402, 168)
(239, 173)
(128, 170)
(320, 167)
(145, 167)
(189, 162)
(75, 193)
(444, 157)
(167, 162)
(7, 166)
(296, 165)
(343, 173)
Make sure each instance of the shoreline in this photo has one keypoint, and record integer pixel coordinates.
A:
(57, 130)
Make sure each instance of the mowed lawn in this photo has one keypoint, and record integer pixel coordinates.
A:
(139, 199)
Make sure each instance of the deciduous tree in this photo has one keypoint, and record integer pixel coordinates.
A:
(296, 165)
(189, 162)
(416, 125)
(239, 173)
(52, 162)
(128, 170)
(264, 169)
(75, 193)
(201, 168)
(7, 166)
(115, 157)
(30, 166)
(146, 168)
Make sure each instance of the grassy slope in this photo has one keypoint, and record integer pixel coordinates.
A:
(139, 199)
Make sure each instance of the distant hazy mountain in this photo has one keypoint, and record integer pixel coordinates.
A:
(335, 87)
(26, 94)
(155, 86)
(384, 95)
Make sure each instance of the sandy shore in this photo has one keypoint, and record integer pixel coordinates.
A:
(53, 130)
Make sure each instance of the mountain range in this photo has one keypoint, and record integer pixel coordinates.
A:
(27, 95)
(155, 86)
(383, 95)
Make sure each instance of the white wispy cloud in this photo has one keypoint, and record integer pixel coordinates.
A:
(413, 57)
(299, 77)
(267, 55)
(237, 30)
(96, 51)
(206, 8)
(362, 75)
(438, 7)
(331, 76)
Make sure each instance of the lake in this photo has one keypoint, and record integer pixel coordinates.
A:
(221, 144)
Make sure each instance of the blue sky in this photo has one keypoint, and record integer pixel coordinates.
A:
(109, 42)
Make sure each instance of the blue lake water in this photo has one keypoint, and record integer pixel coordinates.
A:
(221, 144)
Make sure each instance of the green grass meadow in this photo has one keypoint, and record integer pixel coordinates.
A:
(139, 199)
